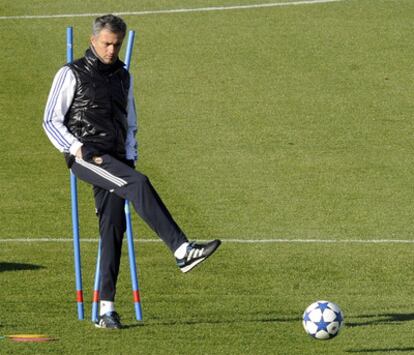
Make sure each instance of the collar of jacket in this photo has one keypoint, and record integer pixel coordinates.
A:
(93, 60)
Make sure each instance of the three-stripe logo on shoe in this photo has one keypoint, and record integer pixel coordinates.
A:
(195, 253)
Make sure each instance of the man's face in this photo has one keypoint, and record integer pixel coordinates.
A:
(107, 45)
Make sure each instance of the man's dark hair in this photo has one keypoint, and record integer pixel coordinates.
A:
(109, 22)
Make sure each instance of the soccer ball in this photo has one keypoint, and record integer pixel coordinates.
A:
(323, 320)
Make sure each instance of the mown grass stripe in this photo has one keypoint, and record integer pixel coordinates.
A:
(225, 240)
(172, 11)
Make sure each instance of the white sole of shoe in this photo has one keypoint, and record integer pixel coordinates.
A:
(195, 263)
(101, 327)
(189, 267)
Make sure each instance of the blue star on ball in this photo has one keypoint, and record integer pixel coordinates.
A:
(322, 325)
(306, 317)
(338, 317)
(322, 306)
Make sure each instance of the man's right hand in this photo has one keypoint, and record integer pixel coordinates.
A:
(79, 153)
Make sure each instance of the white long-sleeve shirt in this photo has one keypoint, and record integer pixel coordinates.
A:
(58, 103)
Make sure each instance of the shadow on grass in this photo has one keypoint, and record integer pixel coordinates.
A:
(130, 326)
(385, 350)
(18, 266)
(384, 318)
(222, 321)
(378, 319)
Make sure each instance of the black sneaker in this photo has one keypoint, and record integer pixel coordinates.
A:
(196, 253)
(109, 320)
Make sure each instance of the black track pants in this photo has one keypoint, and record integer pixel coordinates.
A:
(113, 182)
(112, 225)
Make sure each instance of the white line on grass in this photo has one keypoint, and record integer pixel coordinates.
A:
(173, 11)
(231, 240)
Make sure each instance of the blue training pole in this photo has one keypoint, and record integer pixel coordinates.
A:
(132, 265)
(95, 301)
(130, 46)
(74, 198)
(130, 237)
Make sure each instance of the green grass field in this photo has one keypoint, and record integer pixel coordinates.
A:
(272, 123)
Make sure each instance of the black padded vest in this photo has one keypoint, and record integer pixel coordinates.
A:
(98, 114)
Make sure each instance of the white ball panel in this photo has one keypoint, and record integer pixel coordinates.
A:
(328, 315)
(310, 327)
(334, 307)
(315, 315)
(322, 335)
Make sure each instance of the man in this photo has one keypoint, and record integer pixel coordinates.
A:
(90, 117)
